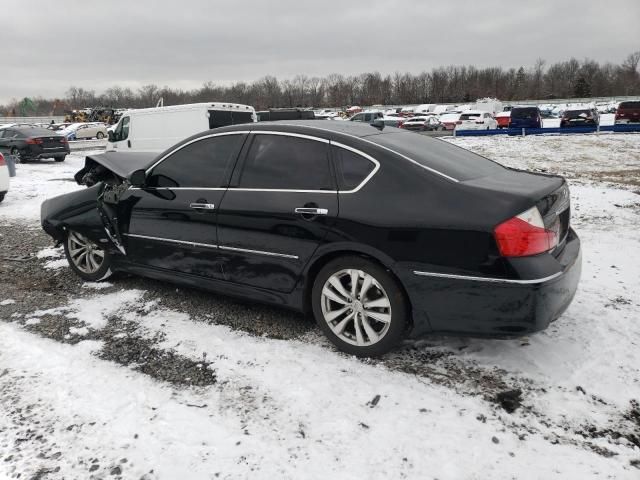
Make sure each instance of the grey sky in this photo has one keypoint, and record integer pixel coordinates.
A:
(48, 46)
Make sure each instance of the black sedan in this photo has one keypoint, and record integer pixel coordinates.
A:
(381, 234)
(34, 143)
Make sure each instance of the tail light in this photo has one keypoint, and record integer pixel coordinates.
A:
(64, 140)
(459, 122)
(525, 234)
(34, 141)
(2, 162)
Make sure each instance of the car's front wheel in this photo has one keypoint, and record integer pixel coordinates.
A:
(100, 135)
(88, 260)
(359, 306)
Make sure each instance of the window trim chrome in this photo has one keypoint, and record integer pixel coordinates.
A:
(487, 279)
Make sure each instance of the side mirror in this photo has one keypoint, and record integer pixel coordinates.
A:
(138, 178)
(378, 123)
(110, 135)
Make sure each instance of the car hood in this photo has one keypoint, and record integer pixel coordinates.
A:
(120, 164)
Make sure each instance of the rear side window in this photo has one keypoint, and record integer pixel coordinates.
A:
(352, 169)
(201, 164)
(288, 163)
(439, 155)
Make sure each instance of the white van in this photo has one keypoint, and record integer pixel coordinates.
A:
(156, 129)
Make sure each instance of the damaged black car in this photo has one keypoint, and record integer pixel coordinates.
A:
(381, 234)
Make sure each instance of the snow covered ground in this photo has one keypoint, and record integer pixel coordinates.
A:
(200, 400)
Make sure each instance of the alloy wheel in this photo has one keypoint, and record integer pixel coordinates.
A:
(356, 307)
(85, 255)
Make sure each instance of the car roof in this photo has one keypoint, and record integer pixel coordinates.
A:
(353, 129)
(35, 130)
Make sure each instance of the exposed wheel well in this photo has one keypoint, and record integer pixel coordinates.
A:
(312, 272)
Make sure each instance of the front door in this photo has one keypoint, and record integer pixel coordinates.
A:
(173, 219)
(278, 210)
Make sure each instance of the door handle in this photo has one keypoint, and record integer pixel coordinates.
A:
(311, 211)
(202, 206)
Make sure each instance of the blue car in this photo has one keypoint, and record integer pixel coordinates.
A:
(525, 117)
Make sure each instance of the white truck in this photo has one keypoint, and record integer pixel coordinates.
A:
(156, 129)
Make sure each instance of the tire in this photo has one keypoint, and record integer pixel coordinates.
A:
(87, 264)
(60, 159)
(2, 196)
(100, 135)
(386, 321)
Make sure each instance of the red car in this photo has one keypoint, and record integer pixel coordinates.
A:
(449, 120)
(503, 119)
(628, 112)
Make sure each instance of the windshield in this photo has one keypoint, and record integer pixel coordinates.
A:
(439, 155)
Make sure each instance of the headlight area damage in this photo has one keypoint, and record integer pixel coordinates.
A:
(93, 212)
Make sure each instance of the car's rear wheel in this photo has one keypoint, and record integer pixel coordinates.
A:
(60, 159)
(359, 306)
(2, 196)
(88, 260)
(100, 135)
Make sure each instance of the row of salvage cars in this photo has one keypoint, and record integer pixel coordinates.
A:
(380, 234)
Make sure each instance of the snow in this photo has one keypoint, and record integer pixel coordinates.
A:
(37, 181)
(298, 409)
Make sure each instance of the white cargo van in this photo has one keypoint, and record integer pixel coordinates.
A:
(156, 129)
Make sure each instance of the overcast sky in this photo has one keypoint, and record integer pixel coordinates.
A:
(48, 46)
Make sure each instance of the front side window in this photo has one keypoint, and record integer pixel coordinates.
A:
(352, 168)
(288, 163)
(122, 130)
(201, 164)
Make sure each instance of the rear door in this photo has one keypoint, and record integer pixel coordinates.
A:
(173, 219)
(278, 209)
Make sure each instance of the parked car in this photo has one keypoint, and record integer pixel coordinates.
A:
(476, 120)
(83, 131)
(4, 177)
(579, 117)
(367, 117)
(395, 121)
(423, 123)
(285, 114)
(503, 118)
(628, 112)
(31, 143)
(525, 117)
(380, 233)
(449, 120)
(156, 129)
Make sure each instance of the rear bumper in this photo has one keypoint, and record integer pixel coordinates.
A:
(35, 151)
(496, 307)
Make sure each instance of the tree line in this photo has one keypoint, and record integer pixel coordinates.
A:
(453, 84)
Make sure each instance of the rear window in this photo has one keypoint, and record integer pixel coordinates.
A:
(469, 116)
(524, 113)
(577, 113)
(449, 159)
(629, 106)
